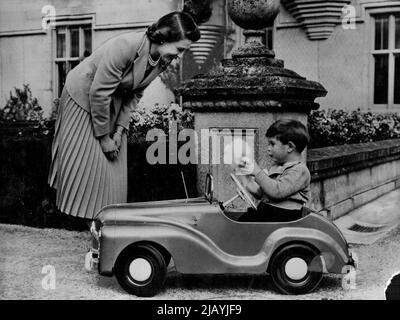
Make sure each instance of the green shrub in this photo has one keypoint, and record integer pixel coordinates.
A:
(159, 116)
(330, 127)
(336, 127)
(22, 106)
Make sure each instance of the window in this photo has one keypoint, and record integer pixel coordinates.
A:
(268, 39)
(386, 60)
(73, 44)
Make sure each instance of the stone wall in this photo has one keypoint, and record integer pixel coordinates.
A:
(346, 177)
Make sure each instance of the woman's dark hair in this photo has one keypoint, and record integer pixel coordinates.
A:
(174, 26)
(286, 130)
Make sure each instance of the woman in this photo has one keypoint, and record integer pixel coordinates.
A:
(89, 152)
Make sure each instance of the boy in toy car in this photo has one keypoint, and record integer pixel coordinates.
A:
(285, 189)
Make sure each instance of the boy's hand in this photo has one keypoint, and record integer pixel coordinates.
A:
(243, 179)
(249, 183)
(248, 166)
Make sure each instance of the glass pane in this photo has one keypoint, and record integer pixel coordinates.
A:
(381, 79)
(396, 98)
(264, 38)
(397, 45)
(88, 42)
(270, 39)
(61, 43)
(73, 64)
(62, 73)
(381, 33)
(74, 42)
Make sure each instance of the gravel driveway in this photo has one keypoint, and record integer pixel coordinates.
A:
(24, 252)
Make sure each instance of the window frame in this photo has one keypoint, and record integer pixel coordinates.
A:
(391, 51)
(266, 38)
(68, 23)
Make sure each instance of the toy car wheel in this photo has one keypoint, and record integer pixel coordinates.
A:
(141, 271)
(296, 269)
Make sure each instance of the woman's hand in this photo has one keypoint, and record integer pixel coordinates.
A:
(109, 147)
(117, 137)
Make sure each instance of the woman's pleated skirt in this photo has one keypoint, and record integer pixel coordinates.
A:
(85, 180)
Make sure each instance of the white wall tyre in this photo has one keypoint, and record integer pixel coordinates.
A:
(296, 269)
(141, 271)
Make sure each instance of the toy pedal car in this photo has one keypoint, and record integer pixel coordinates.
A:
(135, 242)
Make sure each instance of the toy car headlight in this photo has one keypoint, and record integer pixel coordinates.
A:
(93, 230)
(355, 258)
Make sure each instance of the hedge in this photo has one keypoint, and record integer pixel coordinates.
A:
(326, 127)
(25, 157)
(337, 127)
(330, 127)
(27, 199)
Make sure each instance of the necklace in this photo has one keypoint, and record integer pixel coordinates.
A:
(152, 62)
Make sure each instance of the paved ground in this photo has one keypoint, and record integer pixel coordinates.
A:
(380, 215)
(24, 252)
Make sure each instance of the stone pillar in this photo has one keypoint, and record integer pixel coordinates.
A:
(244, 96)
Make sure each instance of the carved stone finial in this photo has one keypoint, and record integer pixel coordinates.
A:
(253, 14)
(253, 79)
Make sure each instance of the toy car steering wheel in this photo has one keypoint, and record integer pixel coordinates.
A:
(242, 192)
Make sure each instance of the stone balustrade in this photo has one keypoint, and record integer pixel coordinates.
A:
(348, 176)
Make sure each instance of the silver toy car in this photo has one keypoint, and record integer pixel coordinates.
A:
(136, 241)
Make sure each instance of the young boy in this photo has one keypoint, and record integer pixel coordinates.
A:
(286, 187)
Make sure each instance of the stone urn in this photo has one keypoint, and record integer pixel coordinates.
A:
(244, 95)
(253, 14)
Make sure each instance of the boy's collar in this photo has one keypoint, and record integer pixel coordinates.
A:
(290, 164)
(278, 169)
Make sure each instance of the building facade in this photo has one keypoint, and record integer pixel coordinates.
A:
(357, 60)
(351, 47)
